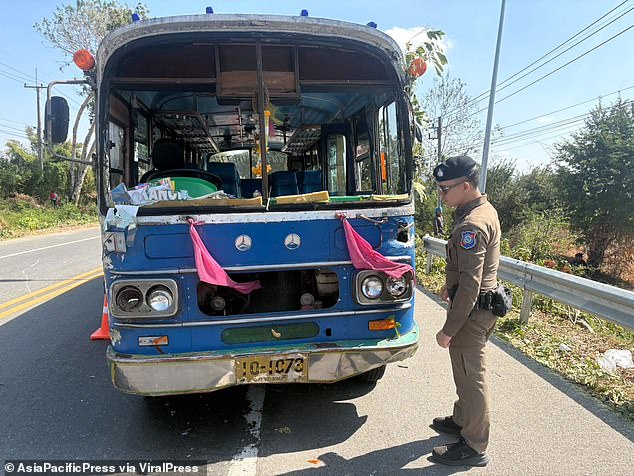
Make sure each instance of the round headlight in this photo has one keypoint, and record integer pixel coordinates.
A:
(397, 286)
(129, 298)
(159, 298)
(372, 287)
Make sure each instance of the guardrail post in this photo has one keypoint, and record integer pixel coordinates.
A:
(430, 258)
(527, 304)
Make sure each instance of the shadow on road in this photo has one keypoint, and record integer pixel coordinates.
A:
(387, 461)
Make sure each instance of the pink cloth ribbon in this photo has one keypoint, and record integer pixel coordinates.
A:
(209, 271)
(363, 256)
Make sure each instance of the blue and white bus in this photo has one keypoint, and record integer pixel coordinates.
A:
(263, 136)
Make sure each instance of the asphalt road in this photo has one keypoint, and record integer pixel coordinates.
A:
(30, 264)
(57, 402)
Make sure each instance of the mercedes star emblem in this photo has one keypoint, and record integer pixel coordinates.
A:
(292, 241)
(243, 242)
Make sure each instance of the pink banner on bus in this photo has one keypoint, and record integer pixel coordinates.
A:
(209, 271)
(363, 256)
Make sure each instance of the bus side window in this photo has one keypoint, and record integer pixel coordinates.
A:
(336, 160)
(363, 164)
(141, 144)
(392, 164)
(117, 144)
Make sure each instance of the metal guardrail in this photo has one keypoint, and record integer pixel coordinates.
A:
(609, 302)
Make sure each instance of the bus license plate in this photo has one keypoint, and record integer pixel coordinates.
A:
(272, 369)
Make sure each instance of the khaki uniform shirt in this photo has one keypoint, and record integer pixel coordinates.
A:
(473, 255)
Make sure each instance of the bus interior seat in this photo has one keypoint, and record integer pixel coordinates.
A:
(309, 181)
(248, 186)
(229, 175)
(283, 183)
(166, 154)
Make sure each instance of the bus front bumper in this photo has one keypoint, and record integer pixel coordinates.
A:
(209, 371)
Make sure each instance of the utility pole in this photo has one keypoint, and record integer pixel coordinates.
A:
(40, 151)
(439, 148)
(439, 137)
(494, 79)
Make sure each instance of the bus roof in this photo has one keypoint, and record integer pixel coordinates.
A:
(220, 23)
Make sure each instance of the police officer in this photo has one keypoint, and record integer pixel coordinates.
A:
(473, 253)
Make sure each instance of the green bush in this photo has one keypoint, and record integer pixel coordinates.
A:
(22, 215)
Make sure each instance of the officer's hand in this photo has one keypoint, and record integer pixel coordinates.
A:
(443, 339)
(444, 293)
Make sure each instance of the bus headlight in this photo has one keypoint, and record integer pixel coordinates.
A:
(159, 298)
(129, 298)
(397, 286)
(372, 287)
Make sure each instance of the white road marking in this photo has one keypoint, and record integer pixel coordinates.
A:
(48, 247)
(245, 462)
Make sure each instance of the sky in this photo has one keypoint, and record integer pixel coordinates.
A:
(532, 28)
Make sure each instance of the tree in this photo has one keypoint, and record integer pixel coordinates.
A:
(461, 130)
(596, 177)
(20, 171)
(519, 197)
(83, 26)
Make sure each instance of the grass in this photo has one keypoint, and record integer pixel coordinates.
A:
(23, 215)
(563, 340)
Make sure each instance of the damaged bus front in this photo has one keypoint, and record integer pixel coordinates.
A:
(254, 177)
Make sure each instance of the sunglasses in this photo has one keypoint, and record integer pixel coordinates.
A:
(446, 188)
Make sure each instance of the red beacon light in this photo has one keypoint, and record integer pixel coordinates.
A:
(84, 60)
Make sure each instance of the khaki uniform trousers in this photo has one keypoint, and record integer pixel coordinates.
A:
(467, 353)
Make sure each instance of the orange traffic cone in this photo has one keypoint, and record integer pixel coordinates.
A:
(103, 333)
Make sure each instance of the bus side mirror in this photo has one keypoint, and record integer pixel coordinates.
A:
(57, 118)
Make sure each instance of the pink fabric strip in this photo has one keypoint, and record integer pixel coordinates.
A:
(209, 271)
(363, 256)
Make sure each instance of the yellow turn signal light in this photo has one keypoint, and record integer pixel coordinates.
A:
(382, 325)
(84, 60)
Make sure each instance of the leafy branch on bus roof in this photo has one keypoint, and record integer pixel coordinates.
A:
(83, 25)
(417, 59)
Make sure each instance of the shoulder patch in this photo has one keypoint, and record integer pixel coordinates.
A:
(468, 240)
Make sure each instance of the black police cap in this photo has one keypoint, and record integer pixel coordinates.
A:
(454, 167)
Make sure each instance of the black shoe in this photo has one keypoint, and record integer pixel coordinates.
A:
(446, 425)
(459, 454)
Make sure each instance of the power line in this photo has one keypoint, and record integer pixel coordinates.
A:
(10, 133)
(11, 76)
(532, 142)
(537, 133)
(567, 107)
(565, 51)
(568, 63)
(9, 120)
(562, 124)
(14, 128)
(485, 94)
(554, 71)
(26, 76)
